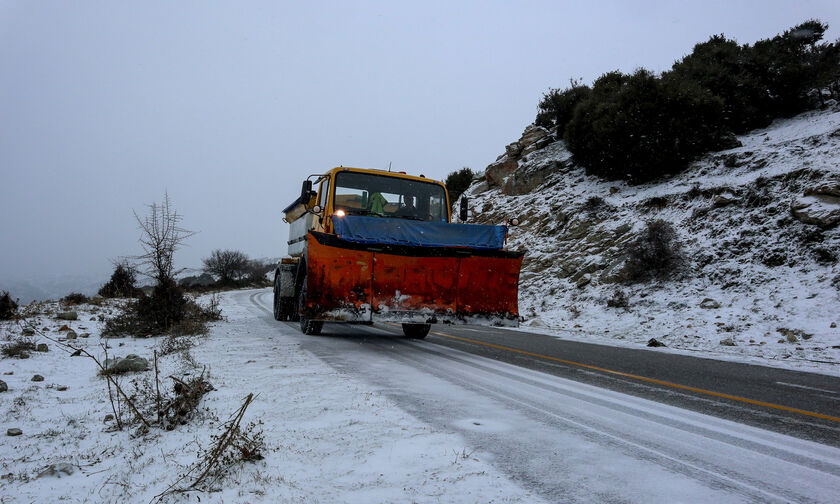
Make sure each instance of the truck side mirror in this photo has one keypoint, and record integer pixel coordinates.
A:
(464, 209)
(306, 191)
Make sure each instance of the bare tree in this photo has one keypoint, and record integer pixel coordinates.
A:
(160, 237)
(228, 265)
(257, 270)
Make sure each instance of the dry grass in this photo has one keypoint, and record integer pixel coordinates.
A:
(19, 347)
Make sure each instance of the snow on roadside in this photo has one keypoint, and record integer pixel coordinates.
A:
(328, 438)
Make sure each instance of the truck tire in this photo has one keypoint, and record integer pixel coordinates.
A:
(278, 301)
(307, 326)
(416, 331)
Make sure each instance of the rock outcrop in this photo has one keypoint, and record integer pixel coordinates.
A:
(819, 206)
(130, 363)
(497, 173)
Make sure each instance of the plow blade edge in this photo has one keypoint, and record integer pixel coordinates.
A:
(387, 283)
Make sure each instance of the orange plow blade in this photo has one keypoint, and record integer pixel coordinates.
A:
(387, 283)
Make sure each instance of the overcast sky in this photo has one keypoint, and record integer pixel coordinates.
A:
(229, 105)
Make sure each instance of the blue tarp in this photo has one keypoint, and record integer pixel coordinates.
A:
(392, 231)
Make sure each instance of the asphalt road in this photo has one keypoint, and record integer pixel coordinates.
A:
(576, 422)
(815, 395)
(801, 404)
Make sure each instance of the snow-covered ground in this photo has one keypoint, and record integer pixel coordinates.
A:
(367, 417)
(775, 281)
(329, 438)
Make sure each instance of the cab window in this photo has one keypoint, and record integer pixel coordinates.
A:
(323, 192)
(387, 196)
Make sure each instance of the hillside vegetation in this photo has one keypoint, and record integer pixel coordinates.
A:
(732, 251)
(640, 126)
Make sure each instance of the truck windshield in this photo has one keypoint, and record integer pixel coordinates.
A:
(386, 196)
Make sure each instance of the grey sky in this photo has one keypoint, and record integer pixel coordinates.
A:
(105, 105)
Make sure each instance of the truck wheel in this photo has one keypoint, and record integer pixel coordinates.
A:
(416, 331)
(278, 304)
(307, 326)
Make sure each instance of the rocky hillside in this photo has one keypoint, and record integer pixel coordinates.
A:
(758, 229)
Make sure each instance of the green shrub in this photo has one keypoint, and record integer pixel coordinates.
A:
(639, 127)
(789, 64)
(775, 77)
(121, 283)
(458, 182)
(163, 308)
(727, 70)
(558, 107)
(166, 311)
(75, 298)
(8, 306)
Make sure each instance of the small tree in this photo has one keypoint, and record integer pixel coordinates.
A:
(228, 265)
(558, 107)
(457, 182)
(121, 283)
(160, 237)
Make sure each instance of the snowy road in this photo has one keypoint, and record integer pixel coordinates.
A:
(565, 440)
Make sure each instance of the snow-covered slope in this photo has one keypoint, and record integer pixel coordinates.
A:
(747, 219)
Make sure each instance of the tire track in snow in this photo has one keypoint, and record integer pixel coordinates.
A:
(665, 449)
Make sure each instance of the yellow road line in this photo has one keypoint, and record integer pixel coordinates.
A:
(646, 379)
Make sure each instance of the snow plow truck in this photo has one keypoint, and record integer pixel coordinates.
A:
(372, 246)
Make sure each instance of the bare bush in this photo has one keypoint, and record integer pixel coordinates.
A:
(655, 253)
(618, 300)
(177, 409)
(256, 271)
(593, 204)
(212, 312)
(19, 347)
(228, 265)
(233, 446)
(174, 344)
(145, 404)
